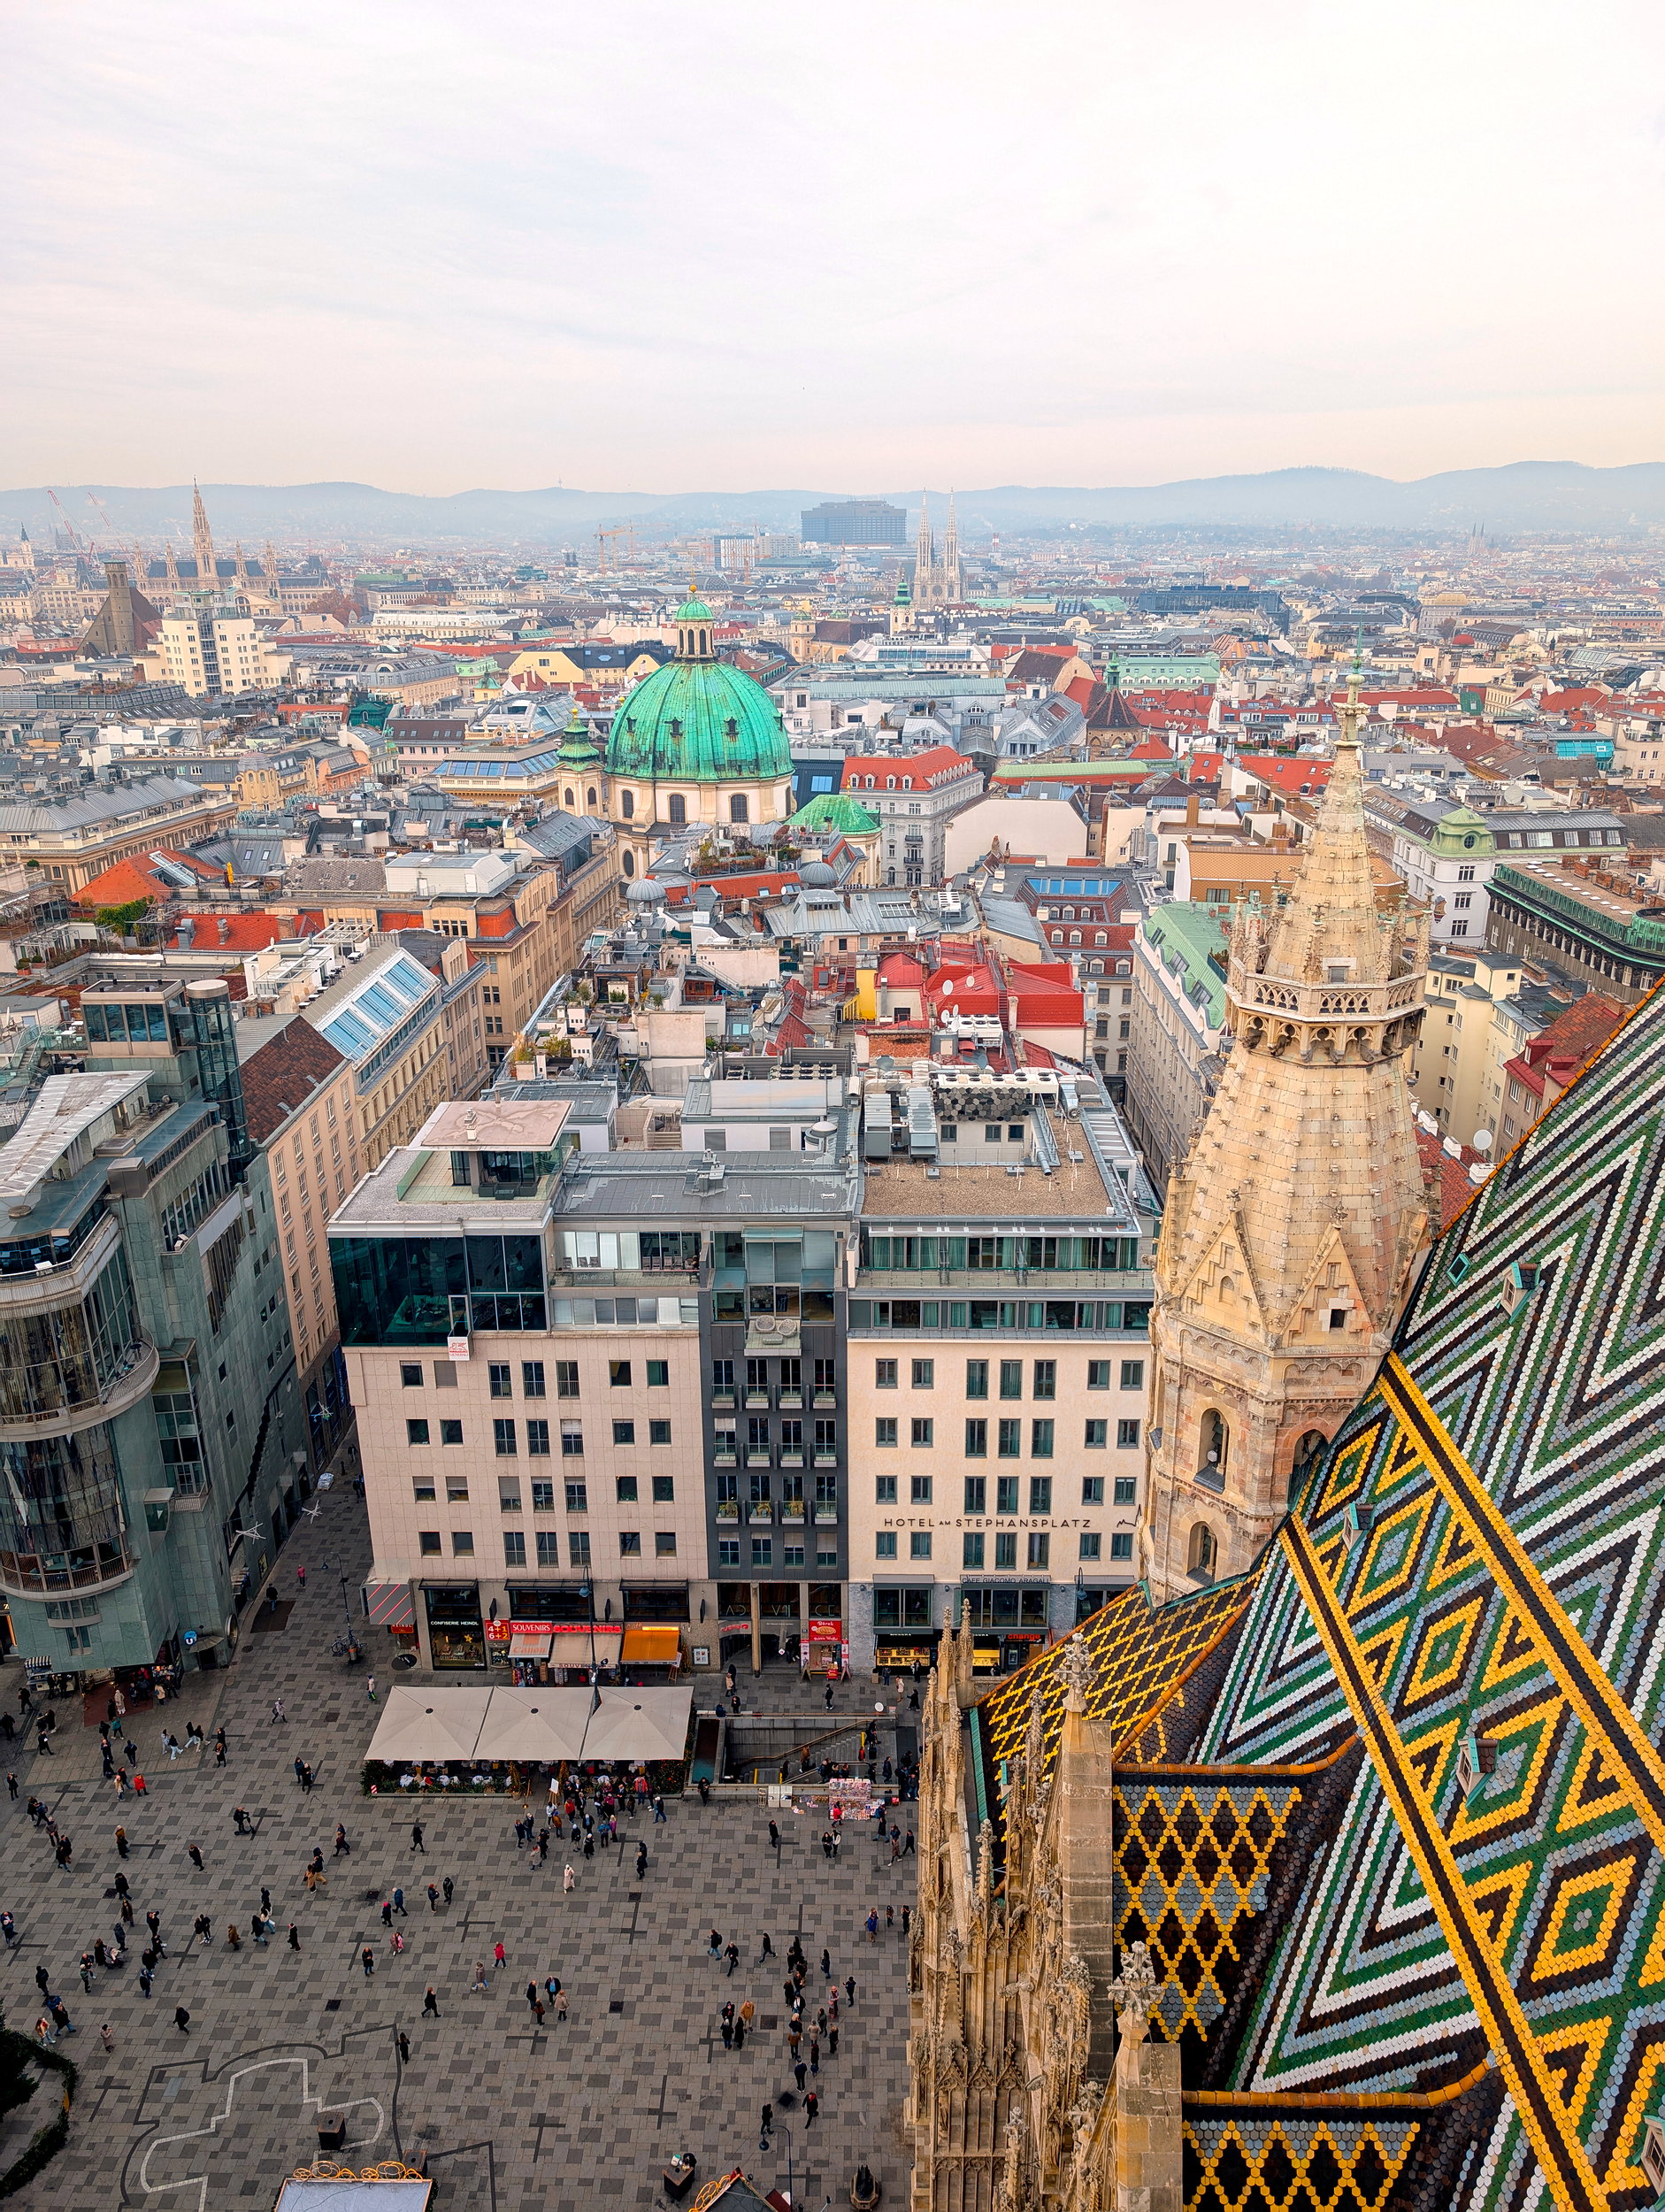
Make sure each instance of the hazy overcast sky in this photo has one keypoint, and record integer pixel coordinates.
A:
(653, 247)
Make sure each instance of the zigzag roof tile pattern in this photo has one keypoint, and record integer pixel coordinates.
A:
(1474, 1581)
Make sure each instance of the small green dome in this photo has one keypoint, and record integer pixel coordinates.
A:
(833, 810)
(577, 746)
(697, 719)
(694, 609)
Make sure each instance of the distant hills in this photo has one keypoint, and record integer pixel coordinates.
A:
(1527, 496)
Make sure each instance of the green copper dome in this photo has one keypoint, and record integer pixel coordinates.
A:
(577, 746)
(835, 810)
(697, 719)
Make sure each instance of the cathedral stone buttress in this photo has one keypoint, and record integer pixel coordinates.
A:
(1294, 1221)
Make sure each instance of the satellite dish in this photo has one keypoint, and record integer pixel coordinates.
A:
(1482, 1140)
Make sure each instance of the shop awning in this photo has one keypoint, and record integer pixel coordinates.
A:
(389, 1605)
(650, 1645)
(639, 1724)
(523, 1646)
(541, 1724)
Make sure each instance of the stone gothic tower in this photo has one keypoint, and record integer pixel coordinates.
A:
(1294, 1222)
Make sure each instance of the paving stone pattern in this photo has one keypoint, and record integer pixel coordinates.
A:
(586, 2111)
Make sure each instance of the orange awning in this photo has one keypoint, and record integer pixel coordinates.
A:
(653, 1646)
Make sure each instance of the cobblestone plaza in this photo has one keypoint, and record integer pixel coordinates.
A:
(507, 2114)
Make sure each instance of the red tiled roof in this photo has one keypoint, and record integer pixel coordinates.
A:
(137, 878)
(282, 1075)
(936, 761)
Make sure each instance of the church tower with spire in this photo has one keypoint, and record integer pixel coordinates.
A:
(202, 543)
(953, 580)
(925, 559)
(1294, 1222)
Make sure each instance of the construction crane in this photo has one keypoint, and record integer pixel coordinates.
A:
(93, 500)
(604, 562)
(69, 528)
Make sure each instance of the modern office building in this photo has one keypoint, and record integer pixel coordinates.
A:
(855, 522)
(151, 1427)
(998, 1363)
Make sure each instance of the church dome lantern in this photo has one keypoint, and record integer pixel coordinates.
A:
(698, 719)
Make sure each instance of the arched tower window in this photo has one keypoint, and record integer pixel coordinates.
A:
(1310, 1450)
(571, 796)
(1214, 1443)
(738, 810)
(677, 807)
(1201, 1553)
(591, 796)
(629, 861)
(627, 805)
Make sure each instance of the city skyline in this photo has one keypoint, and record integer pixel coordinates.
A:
(1120, 252)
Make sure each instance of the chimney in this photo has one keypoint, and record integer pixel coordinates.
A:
(1192, 809)
(225, 930)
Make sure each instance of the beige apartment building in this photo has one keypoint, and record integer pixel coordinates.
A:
(1456, 1070)
(208, 650)
(72, 840)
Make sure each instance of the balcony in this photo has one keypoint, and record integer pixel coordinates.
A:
(723, 1401)
(758, 1455)
(760, 1514)
(827, 1459)
(825, 1516)
(792, 1402)
(728, 1509)
(756, 1401)
(724, 1457)
(792, 1513)
(824, 1401)
(792, 1459)
(51, 1396)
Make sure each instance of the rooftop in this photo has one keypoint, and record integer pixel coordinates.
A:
(497, 1125)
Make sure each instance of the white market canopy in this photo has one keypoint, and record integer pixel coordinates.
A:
(533, 1724)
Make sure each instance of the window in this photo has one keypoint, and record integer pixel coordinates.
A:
(884, 1489)
(1125, 1491)
(1214, 1440)
(1011, 1438)
(977, 1379)
(578, 1497)
(462, 1543)
(884, 1374)
(919, 1544)
(1133, 1374)
(924, 1374)
(565, 1379)
(738, 808)
(977, 1440)
(919, 1489)
(577, 1548)
(728, 1551)
(924, 1431)
(502, 1378)
(1005, 1551)
(504, 1439)
(658, 1374)
(424, 1488)
(508, 1494)
(1040, 1440)
(664, 1490)
(428, 1542)
(629, 1543)
(1127, 1435)
(1092, 1489)
(618, 1374)
(1011, 1379)
(1122, 1544)
(623, 1431)
(537, 1440)
(1097, 1434)
(571, 1441)
(1091, 1545)
(1046, 1379)
(971, 1551)
(977, 1493)
(1040, 1494)
(624, 1489)
(885, 1544)
(1098, 1374)
(1040, 1549)
(411, 1373)
(664, 1543)
(678, 807)
(885, 1432)
(451, 1432)
(415, 1431)
(543, 1497)
(659, 1433)
(514, 1548)
(1199, 1553)
(762, 1551)
(531, 1379)
(1006, 1494)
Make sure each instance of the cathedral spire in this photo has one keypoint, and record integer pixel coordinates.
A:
(953, 586)
(203, 543)
(1292, 1224)
(925, 557)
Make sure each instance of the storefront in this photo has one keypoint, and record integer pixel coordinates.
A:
(536, 1650)
(457, 1635)
(904, 1634)
(648, 1648)
(1008, 1623)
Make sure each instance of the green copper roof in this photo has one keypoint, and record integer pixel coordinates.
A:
(832, 811)
(1462, 829)
(698, 721)
(694, 609)
(578, 747)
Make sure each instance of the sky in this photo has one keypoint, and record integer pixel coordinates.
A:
(657, 248)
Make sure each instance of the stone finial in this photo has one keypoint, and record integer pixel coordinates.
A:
(1133, 1992)
(1076, 1667)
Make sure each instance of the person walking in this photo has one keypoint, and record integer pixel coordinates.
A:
(774, 1838)
(367, 1960)
(434, 1898)
(641, 1859)
(827, 1964)
(811, 2105)
(872, 1927)
(278, 1712)
(815, 2052)
(219, 1746)
(726, 2023)
(480, 1981)
(193, 1853)
(416, 1844)
(341, 1843)
(569, 1880)
(732, 1956)
(398, 1901)
(448, 1885)
(430, 2005)
(44, 2032)
(369, 1687)
(147, 1976)
(9, 1930)
(747, 2014)
(295, 1937)
(658, 1811)
(800, 2074)
(849, 1987)
(181, 2020)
